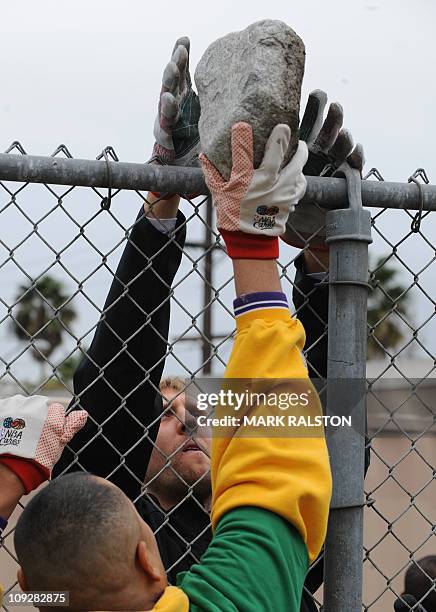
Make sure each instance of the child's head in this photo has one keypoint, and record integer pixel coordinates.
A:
(81, 534)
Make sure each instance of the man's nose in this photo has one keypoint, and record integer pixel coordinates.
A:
(187, 424)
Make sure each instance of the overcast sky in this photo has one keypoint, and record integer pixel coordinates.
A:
(87, 74)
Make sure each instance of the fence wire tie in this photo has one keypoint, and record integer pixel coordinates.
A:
(107, 200)
(344, 282)
(373, 172)
(416, 221)
(368, 503)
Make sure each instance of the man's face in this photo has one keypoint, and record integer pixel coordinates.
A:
(187, 452)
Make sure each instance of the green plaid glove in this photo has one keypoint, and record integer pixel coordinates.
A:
(176, 126)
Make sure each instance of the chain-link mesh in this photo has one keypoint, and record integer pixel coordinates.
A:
(59, 253)
(400, 484)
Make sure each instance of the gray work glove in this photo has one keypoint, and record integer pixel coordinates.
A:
(176, 126)
(329, 145)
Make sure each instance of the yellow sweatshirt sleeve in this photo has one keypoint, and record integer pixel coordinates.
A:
(288, 476)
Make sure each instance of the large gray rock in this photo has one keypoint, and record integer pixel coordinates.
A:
(255, 76)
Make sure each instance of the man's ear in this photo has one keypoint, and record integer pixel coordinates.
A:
(22, 580)
(145, 560)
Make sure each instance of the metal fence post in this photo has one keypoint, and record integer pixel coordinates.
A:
(348, 235)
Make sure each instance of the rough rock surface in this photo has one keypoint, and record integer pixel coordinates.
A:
(254, 75)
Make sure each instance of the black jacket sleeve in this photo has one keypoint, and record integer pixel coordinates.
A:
(311, 301)
(117, 381)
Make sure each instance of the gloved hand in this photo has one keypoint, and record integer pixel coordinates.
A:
(176, 126)
(329, 146)
(328, 142)
(253, 205)
(33, 434)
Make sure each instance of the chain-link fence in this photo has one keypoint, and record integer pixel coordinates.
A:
(84, 279)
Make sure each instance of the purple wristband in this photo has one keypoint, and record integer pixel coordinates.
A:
(259, 301)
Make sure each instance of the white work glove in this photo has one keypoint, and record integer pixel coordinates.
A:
(256, 201)
(33, 433)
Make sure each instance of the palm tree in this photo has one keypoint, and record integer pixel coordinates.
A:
(387, 300)
(67, 368)
(40, 315)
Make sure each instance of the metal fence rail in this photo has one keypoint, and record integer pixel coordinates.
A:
(68, 220)
(327, 192)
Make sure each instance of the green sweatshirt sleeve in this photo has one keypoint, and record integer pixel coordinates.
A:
(256, 561)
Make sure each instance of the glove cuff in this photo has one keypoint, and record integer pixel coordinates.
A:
(250, 246)
(30, 473)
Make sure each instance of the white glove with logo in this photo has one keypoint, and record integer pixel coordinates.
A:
(256, 201)
(33, 434)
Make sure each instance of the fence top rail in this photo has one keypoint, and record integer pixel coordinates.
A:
(329, 192)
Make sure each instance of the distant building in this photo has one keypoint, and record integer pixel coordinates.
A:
(402, 397)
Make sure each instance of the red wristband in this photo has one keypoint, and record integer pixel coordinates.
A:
(30, 473)
(250, 246)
